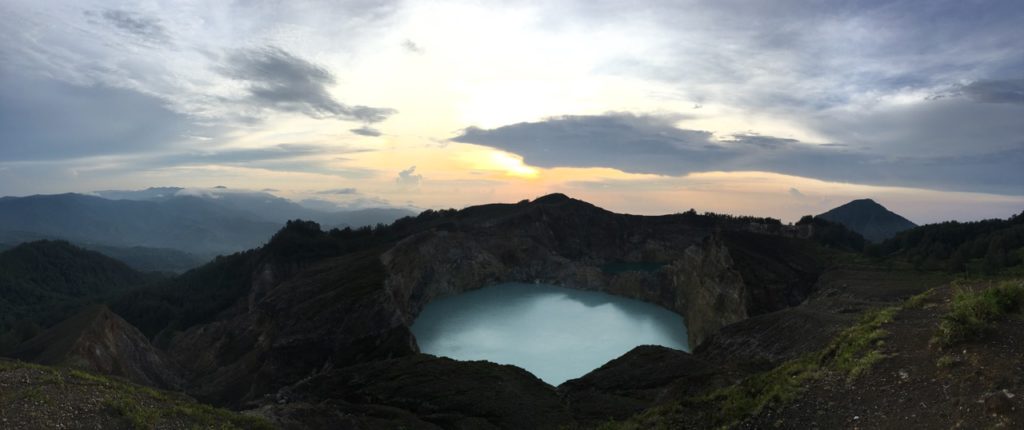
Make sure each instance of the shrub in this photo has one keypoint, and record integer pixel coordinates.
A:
(972, 313)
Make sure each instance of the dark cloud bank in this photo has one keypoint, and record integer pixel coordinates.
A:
(653, 144)
(281, 81)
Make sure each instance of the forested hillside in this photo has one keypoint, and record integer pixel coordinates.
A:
(44, 282)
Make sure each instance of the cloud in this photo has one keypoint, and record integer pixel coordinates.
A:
(364, 203)
(366, 131)
(803, 55)
(319, 204)
(411, 46)
(42, 119)
(408, 177)
(633, 143)
(653, 144)
(957, 125)
(796, 193)
(996, 91)
(145, 28)
(247, 155)
(281, 81)
(339, 191)
(304, 158)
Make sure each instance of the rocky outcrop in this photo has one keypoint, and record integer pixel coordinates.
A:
(421, 391)
(631, 383)
(696, 276)
(331, 315)
(97, 340)
(710, 293)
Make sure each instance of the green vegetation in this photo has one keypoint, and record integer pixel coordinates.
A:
(651, 419)
(976, 248)
(972, 313)
(142, 407)
(201, 295)
(148, 259)
(917, 301)
(945, 361)
(143, 413)
(833, 234)
(849, 355)
(711, 219)
(44, 282)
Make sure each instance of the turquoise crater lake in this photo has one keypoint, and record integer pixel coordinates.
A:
(555, 333)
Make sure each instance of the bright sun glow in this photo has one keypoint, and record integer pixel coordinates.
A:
(513, 165)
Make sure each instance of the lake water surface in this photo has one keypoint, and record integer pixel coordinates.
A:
(555, 333)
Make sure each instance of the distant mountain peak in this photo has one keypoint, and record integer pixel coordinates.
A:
(869, 218)
(553, 198)
(864, 202)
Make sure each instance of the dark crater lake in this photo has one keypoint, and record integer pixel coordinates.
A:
(555, 333)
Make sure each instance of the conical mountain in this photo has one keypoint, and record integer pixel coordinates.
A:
(870, 219)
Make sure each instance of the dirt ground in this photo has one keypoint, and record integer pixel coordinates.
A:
(972, 385)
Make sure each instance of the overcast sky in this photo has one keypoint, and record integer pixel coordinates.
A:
(777, 108)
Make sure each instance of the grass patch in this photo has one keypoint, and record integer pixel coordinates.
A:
(850, 354)
(856, 348)
(946, 361)
(141, 407)
(143, 412)
(918, 301)
(140, 417)
(82, 375)
(777, 386)
(973, 313)
(145, 408)
(34, 394)
(651, 419)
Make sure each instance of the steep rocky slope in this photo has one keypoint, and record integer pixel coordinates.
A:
(44, 282)
(420, 391)
(99, 341)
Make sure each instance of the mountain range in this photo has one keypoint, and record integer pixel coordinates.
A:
(311, 329)
(165, 228)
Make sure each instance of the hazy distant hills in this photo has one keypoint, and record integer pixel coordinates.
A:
(263, 206)
(190, 224)
(870, 219)
(168, 224)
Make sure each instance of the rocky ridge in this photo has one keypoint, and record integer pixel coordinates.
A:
(312, 329)
(99, 341)
(356, 308)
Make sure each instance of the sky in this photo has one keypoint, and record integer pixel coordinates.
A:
(770, 108)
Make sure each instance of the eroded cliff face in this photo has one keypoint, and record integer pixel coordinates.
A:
(699, 281)
(710, 293)
(357, 307)
(333, 314)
